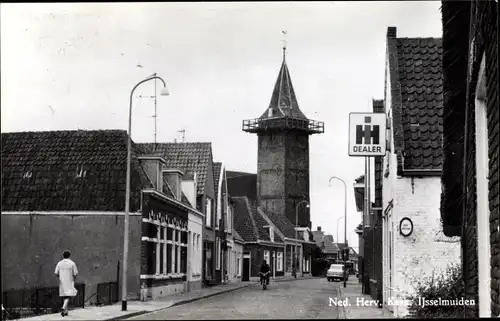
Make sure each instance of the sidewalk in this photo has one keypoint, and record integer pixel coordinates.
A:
(114, 312)
(357, 310)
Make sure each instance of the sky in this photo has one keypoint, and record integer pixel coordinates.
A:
(72, 66)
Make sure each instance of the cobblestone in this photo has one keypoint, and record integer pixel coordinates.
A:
(301, 299)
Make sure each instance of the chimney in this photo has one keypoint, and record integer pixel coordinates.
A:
(174, 180)
(391, 33)
(319, 228)
(153, 165)
(188, 186)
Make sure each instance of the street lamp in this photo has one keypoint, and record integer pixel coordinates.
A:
(296, 237)
(164, 92)
(338, 227)
(345, 223)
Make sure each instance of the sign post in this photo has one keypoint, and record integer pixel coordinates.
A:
(367, 138)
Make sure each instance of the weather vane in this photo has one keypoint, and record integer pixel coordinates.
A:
(283, 41)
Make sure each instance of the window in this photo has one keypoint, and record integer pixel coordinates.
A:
(198, 242)
(194, 241)
(229, 219)
(208, 212)
(217, 252)
(279, 262)
(271, 233)
(266, 257)
(238, 266)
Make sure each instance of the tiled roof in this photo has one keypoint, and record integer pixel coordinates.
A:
(242, 184)
(236, 236)
(330, 247)
(417, 91)
(281, 222)
(243, 221)
(40, 169)
(283, 99)
(260, 222)
(217, 168)
(249, 223)
(187, 157)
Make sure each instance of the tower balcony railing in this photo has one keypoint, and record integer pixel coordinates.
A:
(283, 123)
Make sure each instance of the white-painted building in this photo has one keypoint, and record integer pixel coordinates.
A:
(412, 169)
(195, 230)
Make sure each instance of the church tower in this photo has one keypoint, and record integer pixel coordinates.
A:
(283, 151)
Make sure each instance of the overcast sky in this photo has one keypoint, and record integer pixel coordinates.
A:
(72, 66)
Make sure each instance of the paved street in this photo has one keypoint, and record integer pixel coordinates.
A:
(282, 300)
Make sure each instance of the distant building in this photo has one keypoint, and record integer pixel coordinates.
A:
(470, 195)
(268, 216)
(412, 168)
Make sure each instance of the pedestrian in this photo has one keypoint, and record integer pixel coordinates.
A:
(66, 271)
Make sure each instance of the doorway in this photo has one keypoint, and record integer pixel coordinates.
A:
(246, 268)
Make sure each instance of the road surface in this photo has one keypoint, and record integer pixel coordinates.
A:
(282, 300)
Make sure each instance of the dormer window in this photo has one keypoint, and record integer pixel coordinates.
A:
(271, 233)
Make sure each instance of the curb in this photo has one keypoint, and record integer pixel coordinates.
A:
(342, 312)
(134, 314)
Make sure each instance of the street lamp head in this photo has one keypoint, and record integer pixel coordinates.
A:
(307, 205)
(164, 92)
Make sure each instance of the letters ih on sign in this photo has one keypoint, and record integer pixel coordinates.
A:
(367, 134)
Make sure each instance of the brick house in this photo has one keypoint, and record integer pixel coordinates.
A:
(470, 198)
(197, 158)
(411, 186)
(66, 190)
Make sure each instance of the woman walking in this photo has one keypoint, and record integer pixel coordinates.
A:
(66, 271)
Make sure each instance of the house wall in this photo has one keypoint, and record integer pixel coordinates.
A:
(195, 250)
(257, 256)
(427, 249)
(32, 244)
(485, 34)
(209, 233)
(237, 269)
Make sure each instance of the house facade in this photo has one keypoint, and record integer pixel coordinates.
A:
(411, 184)
(71, 181)
(470, 197)
(196, 158)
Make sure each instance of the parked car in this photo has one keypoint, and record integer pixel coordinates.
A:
(336, 272)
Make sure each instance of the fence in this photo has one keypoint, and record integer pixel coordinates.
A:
(107, 293)
(21, 303)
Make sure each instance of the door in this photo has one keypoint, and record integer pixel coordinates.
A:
(246, 269)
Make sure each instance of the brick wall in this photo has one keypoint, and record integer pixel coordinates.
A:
(33, 244)
(257, 256)
(485, 35)
(427, 249)
(283, 174)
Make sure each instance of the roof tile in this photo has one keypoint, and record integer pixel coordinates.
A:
(187, 157)
(69, 170)
(421, 79)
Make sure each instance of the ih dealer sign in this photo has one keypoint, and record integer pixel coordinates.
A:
(367, 134)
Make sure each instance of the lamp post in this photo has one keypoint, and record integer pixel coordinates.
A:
(338, 227)
(345, 223)
(164, 92)
(296, 237)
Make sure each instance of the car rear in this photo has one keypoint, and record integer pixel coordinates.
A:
(335, 272)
